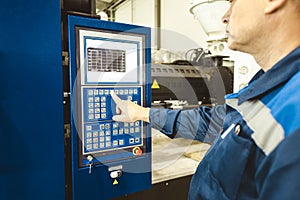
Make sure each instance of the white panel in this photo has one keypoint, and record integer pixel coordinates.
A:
(177, 17)
(136, 12)
(143, 12)
(124, 13)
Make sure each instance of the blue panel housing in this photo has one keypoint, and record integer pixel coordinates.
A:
(136, 169)
(31, 101)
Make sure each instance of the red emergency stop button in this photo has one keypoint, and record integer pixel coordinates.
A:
(137, 151)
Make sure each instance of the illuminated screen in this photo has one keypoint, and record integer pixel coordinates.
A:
(107, 57)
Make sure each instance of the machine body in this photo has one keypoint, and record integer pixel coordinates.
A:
(109, 158)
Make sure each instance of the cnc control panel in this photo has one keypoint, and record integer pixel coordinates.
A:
(109, 62)
(107, 156)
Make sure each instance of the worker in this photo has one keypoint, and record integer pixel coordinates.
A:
(255, 135)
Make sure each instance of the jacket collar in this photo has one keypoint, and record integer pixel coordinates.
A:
(263, 82)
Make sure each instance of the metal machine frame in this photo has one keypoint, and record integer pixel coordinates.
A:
(109, 173)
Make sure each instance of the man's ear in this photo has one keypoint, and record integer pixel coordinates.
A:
(273, 5)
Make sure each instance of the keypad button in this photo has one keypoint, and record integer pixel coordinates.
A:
(115, 132)
(131, 140)
(91, 105)
(95, 92)
(101, 139)
(89, 147)
(91, 111)
(121, 131)
(95, 140)
(88, 128)
(95, 134)
(101, 126)
(89, 141)
(108, 144)
(90, 92)
(91, 116)
(97, 116)
(107, 132)
(90, 99)
(97, 99)
(101, 133)
(101, 145)
(121, 142)
(97, 105)
(131, 130)
(115, 125)
(95, 146)
(115, 143)
(88, 135)
(101, 92)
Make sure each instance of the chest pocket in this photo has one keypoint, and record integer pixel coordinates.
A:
(219, 174)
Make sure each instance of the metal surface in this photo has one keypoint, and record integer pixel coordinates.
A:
(31, 101)
(191, 83)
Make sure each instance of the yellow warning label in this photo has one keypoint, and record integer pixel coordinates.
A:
(115, 182)
(155, 84)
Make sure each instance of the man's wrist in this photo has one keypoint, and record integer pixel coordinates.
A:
(145, 114)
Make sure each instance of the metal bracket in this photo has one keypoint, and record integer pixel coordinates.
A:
(65, 58)
(67, 132)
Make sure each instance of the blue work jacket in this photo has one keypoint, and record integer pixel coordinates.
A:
(255, 137)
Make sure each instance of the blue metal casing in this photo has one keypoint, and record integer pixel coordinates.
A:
(31, 101)
(136, 170)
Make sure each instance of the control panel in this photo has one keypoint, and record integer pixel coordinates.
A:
(100, 133)
(107, 156)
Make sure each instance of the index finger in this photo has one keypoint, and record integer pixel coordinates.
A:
(115, 97)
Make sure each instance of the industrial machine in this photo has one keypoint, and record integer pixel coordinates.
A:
(56, 114)
(108, 156)
(191, 83)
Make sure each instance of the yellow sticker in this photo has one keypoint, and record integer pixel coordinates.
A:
(155, 85)
(115, 182)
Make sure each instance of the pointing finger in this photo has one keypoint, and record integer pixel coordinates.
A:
(116, 99)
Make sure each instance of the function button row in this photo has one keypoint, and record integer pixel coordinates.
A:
(96, 92)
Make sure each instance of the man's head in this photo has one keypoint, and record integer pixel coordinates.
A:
(255, 26)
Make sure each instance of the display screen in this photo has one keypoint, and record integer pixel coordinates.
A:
(108, 58)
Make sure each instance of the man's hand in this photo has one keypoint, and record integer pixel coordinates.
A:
(128, 111)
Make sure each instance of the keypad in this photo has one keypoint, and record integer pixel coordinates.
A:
(104, 136)
(100, 131)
